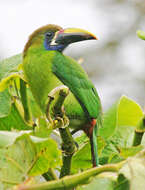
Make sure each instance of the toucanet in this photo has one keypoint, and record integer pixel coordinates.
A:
(46, 67)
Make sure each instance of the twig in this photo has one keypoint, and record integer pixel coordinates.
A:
(74, 180)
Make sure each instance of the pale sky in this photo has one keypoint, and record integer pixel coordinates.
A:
(122, 70)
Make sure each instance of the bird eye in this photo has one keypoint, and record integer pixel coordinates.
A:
(48, 34)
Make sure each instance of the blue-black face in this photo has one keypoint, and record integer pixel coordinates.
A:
(48, 40)
(59, 39)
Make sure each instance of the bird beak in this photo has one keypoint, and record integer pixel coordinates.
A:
(71, 35)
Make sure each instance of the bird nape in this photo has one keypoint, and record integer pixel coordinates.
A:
(46, 67)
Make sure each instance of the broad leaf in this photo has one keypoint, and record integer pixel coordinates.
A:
(9, 66)
(22, 155)
(141, 34)
(122, 119)
(13, 121)
(9, 70)
(122, 183)
(131, 151)
(109, 122)
(5, 103)
(125, 112)
(98, 183)
(82, 158)
(129, 112)
(134, 171)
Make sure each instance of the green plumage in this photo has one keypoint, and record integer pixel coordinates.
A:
(45, 70)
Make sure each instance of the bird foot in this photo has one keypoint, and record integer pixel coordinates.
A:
(60, 122)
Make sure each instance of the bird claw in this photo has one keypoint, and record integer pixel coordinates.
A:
(60, 122)
(55, 112)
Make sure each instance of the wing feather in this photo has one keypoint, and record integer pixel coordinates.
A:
(71, 74)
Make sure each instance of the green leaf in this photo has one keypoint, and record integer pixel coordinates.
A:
(131, 151)
(141, 34)
(48, 156)
(9, 70)
(5, 103)
(13, 120)
(125, 112)
(118, 147)
(7, 138)
(129, 112)
(134, 171)
(4, 83)
(23, 155)
(15, 161)
(9, 66)
(35, 109)
(118, 128)
(43, 129)
(110, 153)
(82, 158)
(98, 183)
(123, 183)
(109, 122)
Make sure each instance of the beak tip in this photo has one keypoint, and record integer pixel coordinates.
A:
(94, 37)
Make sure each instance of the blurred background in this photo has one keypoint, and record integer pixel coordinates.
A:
(115, 63)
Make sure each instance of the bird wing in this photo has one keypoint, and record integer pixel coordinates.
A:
(71, 74)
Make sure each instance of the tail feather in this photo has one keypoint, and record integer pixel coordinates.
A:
(94, 149)
(91, 130)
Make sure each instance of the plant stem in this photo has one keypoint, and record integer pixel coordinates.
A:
(50, 175)
(24, 99)
(55, 106)
(68, 148)
(139, 131)
(74, 180)
(16, 89)
(137, 138)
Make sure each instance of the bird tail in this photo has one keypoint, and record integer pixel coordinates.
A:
(96, 123)
(94, 148)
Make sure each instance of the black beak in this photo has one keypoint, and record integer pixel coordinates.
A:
(71, 35)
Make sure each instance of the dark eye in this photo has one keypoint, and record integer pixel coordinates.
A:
(49, 34)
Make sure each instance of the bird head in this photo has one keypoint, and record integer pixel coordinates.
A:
(53, 37)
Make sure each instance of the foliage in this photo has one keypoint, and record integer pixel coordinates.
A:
(30, 150)
(141, 34)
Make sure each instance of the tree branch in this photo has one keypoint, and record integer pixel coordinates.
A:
(68, 148)
(55, 110)
(74, 180)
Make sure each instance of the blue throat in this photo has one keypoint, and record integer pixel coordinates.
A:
(49, 47)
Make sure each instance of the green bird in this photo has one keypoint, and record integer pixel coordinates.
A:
(46, 67)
